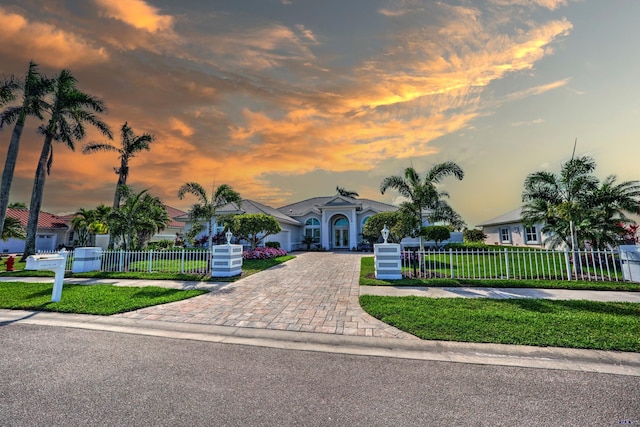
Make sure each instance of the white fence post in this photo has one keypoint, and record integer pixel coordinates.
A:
(567, 263)
(150, 269)
(121, 261)
(506, 262)
(451, 262)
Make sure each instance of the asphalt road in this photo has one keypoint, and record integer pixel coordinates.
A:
(57, 376)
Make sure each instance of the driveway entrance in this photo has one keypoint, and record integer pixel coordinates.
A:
(315, 292)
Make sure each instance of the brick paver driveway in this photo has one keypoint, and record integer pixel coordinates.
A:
(315, 292)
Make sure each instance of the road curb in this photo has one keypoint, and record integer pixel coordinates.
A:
(610, 362)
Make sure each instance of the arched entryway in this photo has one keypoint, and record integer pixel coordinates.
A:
(340, 232)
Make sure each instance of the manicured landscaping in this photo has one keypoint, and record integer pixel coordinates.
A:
(367, 278)
(249, 267)
(94, 299)
(535, 322)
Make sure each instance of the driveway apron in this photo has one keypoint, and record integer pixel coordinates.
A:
(314, 292)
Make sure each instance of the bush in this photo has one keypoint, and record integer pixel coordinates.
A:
(274, 245)
(474, 236)
(263, 253)
(162, 244)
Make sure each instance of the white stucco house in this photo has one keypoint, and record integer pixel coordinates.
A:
(336, 222)
(509, 230)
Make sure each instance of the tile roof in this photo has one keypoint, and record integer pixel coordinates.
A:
(45, 219)
(250, 206)
(174, 213)
(509, 217)
(313, 205)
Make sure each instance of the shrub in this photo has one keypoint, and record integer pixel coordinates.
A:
(474, 236)
(275, 245)
(263, 253)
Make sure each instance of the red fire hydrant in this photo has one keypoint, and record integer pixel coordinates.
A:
(10, 262)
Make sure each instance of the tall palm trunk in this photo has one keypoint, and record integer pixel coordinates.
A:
(9, 167)
(116, 204)
(36, 197)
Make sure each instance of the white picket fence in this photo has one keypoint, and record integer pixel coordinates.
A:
(511, 263)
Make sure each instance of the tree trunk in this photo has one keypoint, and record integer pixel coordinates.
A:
(9, 167)
(116, 204)
(36, 198)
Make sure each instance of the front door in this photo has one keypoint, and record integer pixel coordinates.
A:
(341, 234)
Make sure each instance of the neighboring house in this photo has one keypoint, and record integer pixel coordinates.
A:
(52, 232)
(173, 228)
(508, 229)
(335, 222)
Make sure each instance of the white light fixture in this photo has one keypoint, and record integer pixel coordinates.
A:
(228, 235)
(385, 233)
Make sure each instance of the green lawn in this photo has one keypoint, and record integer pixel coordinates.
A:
(367, 278)
(249, 267)
(94, 299)
(535, 322)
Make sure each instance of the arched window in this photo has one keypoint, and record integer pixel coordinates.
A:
(341, 222)
(312, 229)
(364, 221)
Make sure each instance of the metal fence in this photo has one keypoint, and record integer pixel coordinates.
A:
(511, 263)
(188, 261)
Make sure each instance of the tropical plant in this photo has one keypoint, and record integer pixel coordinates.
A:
(474, 235)
(437, 233)
(399, 224)
(18, 205)
(138, 218)
(346, 193)
(423, 195)
(254, 227)
(70, 111)
(89, 222)
(203, 213)
(34, 89)
(130, 145)
(12, 229)
(575, 207)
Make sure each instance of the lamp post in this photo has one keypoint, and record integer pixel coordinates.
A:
(228, 235)
(385, 233)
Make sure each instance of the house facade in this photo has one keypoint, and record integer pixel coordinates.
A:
(509, 230)
(334, 222)
(53, 231)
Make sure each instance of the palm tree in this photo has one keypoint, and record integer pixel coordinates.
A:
(34, 88)
(138, 217)
(205, 209)
(422, 194)
(12, 229)
(346, 193)
(606, 210)
(70, 110)
(558, 200)
(575, 207)
(131, 144)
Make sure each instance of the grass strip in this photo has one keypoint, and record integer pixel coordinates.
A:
(367, 278)
(93, 299)
(534, 322)
(249, 267)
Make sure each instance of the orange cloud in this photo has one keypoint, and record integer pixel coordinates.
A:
(49, 44)
(136, 13)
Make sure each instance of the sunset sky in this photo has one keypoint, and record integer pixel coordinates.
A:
(285, 99)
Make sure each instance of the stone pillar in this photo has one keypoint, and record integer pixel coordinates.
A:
(226, 260)
(388, 261)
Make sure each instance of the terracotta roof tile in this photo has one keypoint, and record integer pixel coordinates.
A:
(45, 219)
